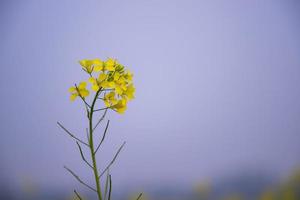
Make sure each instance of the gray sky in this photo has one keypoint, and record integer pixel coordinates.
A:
(217, 87)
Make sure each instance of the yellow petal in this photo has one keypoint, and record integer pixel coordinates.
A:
(124, 87)
(107, 84)
(92, 80)
(116, 76)
(84, 93)
(72, 89)
(86, 63)
(98, 65)
(95, 87)
(106, 102)
(110, 64)
(98, 68)
(97, 61)
(73, 97)
(121, 106)
(121, 80)
(82, 85)
(121, 110)
(129, 93)
(102, 77)
(104, 84)
(128, 76)
(111, 95)
(119, 90)
(112, 84)
(113, 101)
(108, 95)
(110, 68)
(83, 62)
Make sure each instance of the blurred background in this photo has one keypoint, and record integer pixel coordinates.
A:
(217, 108)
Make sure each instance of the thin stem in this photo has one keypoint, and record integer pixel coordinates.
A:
(79, 140)
(103, 137)
(82, 97)
(139, 196)
(99, 121)
(106, 185)
(91, 142)
(113, 160)
(87, 134)
(110, 187)
(101, 109)
(85, 102)
(78, 179)
(87, 111)
(82, 156)
(78, 196)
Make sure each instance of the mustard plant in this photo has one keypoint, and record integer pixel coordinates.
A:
(112, 84)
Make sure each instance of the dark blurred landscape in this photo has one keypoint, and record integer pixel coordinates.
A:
(247, 186)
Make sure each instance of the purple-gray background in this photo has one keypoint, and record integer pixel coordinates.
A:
(217, 88)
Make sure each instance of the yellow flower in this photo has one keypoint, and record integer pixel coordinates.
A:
(94, 83)
(102, 77)
(108, 84)
(97, 83)
(113, 78)
(128, 76)
(90, 66)
(86, 65)
(79, 90)
(120, 83)
(101, 81)
(121, 106)
(129, 93)
(110, 99)
(110, 64)
(98, 65)
(120, 88)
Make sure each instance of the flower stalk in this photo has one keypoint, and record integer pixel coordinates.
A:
(112, 85)
(91, 144)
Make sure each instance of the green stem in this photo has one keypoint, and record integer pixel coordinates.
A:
(91, 143)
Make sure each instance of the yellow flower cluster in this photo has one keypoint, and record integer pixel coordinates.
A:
(79, 91)
(108, 78)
